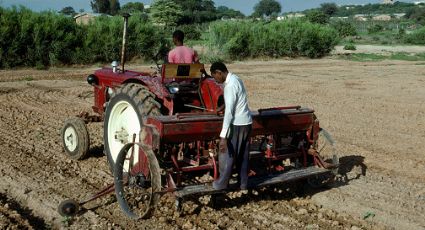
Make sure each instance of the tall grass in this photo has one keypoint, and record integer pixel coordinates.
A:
(34, 39)
(47, 38)
(273, 39)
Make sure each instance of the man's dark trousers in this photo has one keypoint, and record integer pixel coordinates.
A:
(237, 153)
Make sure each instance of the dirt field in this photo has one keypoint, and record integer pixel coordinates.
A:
(375, 111)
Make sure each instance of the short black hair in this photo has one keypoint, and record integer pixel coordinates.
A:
(218, 66)
(179, 35)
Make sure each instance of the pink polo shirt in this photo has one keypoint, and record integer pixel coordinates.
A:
(182, 54)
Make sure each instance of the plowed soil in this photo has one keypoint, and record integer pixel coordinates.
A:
(375, 111)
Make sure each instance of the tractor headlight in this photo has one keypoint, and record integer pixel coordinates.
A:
(173, 88)
(92, 79)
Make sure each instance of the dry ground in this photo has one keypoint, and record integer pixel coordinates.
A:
(375, 111)
(381, 49)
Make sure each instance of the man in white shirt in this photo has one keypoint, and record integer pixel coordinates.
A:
(234, 136)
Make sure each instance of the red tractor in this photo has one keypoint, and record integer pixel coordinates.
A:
(161, 135)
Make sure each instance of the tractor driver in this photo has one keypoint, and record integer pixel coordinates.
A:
(181, 53)
(234, 136)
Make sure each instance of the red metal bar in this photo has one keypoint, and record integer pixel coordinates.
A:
(108, 189)
(280, 108)
(215, 168)
(196, 168)
(178, 170)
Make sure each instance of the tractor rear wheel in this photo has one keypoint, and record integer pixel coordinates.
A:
(137, 181)
(124, 117)
(75, 138)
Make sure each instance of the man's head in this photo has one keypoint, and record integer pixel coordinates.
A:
(178, 37)
(219, 71)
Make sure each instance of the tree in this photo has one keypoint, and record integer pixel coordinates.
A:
(417, 14)
(114, 7)
(100, 6)
(317, 16)
(166, 12)
(67, 11)
(267, 8)
(329, 8)
(225, 12)
(197, 11)
(133, 7)
(105, 6)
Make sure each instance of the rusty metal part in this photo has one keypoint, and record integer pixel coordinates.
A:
(257, 182)
(319, 160)
(124, 41)
(89, 118)
(108, 189)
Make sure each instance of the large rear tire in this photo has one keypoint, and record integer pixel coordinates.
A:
(75, 138)
(137, 183)
(124, 118)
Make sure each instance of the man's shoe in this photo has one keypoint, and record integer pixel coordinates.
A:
(244, 191)
(217, 187)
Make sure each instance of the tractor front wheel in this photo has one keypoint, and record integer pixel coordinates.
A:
(68, 208)
(75, 138)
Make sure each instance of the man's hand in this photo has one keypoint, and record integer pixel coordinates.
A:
(220, 110)
(223, 145)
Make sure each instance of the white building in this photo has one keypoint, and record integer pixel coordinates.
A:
(388, 1)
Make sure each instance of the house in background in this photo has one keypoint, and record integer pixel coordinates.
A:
(388, 2)
(85, 18)
(381, 17)
(361, 17)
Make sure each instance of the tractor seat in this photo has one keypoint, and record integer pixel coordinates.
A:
(182, 71)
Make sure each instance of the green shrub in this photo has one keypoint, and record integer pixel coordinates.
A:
(275, 39)
(350, 46)
(401, 33)
(238, 46)
(36, 39)
(344, 28)
(416, 38)
(48, 39)
(317, 16)
(375, 29)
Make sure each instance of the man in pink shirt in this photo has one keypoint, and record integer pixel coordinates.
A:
(181, 54)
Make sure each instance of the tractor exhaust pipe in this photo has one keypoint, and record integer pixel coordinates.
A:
(124, 40)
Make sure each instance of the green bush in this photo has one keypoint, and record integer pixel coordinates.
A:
(350, 46)
(375, 29)
(416, 38)
(275, 39)
(344, 28)
(317, 16)
(103, 39)
(48, 39)
(401, 33)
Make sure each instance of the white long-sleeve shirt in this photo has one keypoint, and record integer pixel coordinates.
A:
(237, 111)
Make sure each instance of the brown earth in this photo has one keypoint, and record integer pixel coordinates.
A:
(375, 111)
